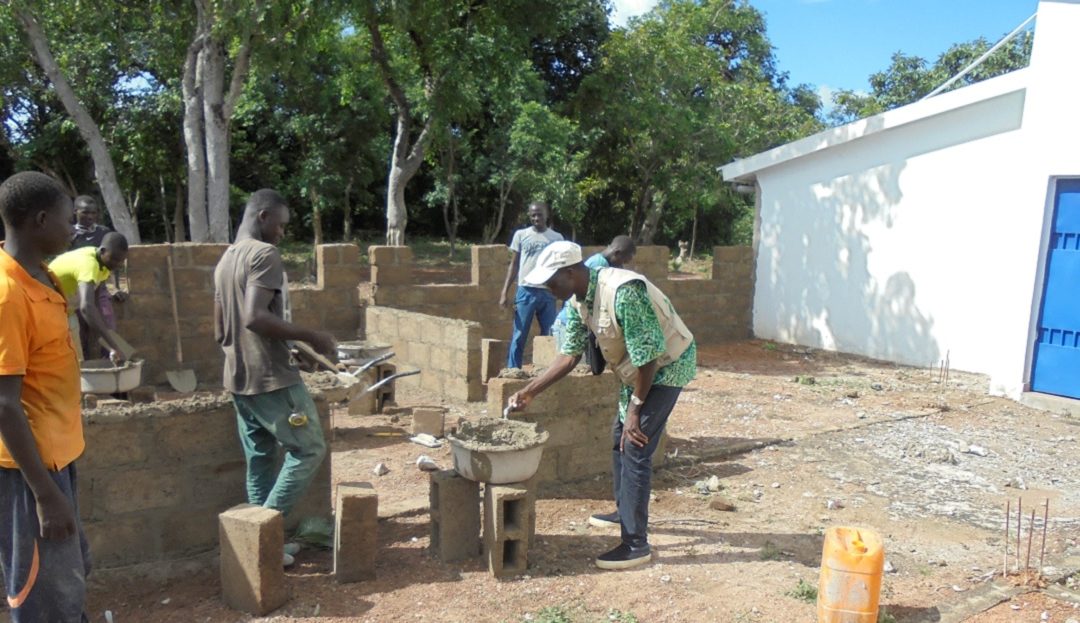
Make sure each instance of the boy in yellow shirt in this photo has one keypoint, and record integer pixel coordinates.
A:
(80, 272)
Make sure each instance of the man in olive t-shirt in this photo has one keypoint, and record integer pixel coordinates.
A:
(272, 404)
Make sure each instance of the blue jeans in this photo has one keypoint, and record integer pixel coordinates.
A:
(529, 303)
(632, 467)
(263, 422)
(45, 580)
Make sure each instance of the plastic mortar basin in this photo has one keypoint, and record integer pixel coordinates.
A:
(497, 466)
(100, 376)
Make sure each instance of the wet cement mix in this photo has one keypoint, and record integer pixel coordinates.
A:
(494, 435)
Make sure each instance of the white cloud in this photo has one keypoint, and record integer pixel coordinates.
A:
(623, 10)
(826, 93)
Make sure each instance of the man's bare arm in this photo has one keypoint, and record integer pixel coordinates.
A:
(258, 318)
(89, 311)
(55, 512)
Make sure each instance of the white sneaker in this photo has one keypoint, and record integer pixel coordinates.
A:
(292, 548)
(287, 560)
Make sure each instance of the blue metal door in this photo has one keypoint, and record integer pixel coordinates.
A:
(1056, 363)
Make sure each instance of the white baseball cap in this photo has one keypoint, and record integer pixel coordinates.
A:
(554, 256)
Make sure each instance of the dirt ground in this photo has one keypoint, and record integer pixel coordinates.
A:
(839, 441)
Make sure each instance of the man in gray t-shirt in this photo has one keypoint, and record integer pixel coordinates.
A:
(529, 302)
(272, 405)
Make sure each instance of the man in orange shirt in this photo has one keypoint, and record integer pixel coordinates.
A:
(43, 550)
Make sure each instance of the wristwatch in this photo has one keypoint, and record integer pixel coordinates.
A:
(634, 400)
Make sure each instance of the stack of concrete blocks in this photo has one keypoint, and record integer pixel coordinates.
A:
(509, 522)
(252, 545)
(155, 477)
(454, 504)
(145, 319)
(509, 525)
(447, 351)
(356, 536)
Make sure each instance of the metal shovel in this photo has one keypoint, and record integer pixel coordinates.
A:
(182, 380)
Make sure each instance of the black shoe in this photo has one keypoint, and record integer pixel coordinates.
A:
(605, 520)
(624, 557)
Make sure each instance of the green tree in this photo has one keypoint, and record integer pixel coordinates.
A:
(910, 78)
(682, 89)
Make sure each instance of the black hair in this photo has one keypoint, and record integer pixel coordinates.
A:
(25, 193)
(264, 199)
(85, 201)
(114, 242)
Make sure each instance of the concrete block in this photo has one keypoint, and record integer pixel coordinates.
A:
(118, 541)
(389, 255)
(391, 275)
(455, 516)
(429, 421)
(545, 350)
(142, 489)
(252, 543)
(204, 255)
(509, 515)
(356, 526)
(493, 355)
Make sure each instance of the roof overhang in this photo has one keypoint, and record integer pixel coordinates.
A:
(746, 170)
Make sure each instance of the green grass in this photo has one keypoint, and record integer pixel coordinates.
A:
(618, 616)
(883, 616)
(769, 551)
(803, 591)
(553, 614)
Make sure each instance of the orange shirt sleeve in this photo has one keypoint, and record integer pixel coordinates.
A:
(14, 332)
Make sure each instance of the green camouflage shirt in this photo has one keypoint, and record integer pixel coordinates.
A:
(641, 329)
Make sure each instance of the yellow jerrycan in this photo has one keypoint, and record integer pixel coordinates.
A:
(852, 562)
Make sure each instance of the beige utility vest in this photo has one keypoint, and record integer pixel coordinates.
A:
(609, 335)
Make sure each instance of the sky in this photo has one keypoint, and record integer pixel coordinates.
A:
(837, 44)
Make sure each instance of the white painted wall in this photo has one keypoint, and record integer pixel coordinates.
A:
(879, 247)
(927, 238)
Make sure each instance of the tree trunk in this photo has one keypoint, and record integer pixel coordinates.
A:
(104, 171)
(179, 235)
(505, 188)
(653, 209)
(194, 140)
(449, 208)
(316, 216)
(217, 140)
(402, 169)
(346, 225)
(693, 233)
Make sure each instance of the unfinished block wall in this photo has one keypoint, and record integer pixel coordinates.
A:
(145, 319)
(155, 476)
(393, 285)
(446, 350)
(715, 309)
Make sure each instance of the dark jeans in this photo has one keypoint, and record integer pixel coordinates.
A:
(45, 580)
(529, 303)
(632, 467)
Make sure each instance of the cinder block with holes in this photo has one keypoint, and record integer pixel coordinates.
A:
(455, 516)
(509, 518)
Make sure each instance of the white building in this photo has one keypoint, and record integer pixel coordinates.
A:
(927, 229)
